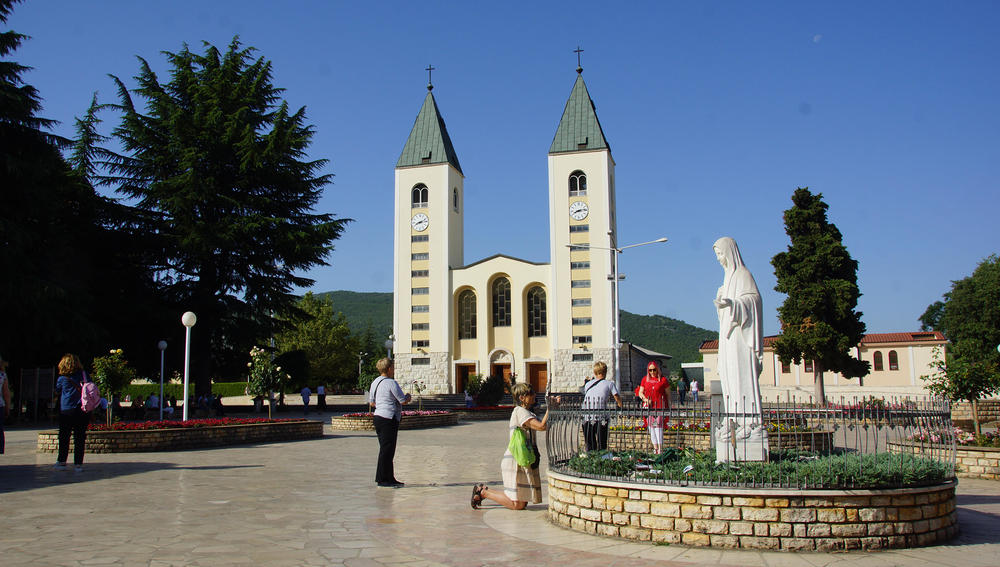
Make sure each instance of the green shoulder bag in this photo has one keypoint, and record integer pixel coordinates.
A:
(518, 447)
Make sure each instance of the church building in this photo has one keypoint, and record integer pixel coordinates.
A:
(544, 323)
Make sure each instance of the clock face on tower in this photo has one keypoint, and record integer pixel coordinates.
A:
(419, 222)
(579, 210)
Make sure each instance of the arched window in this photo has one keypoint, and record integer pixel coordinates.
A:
(536, 312)
(419, 196)
(893, 360)
(877, 361)
(501, 302)
(467, 314)
(454, 199)
(577, 183)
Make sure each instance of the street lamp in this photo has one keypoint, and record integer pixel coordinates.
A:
(188, 320)
(361, 356)
(616, 324)
(162, 345)
(388, 344)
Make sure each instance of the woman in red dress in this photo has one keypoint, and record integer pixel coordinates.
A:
(654, 391)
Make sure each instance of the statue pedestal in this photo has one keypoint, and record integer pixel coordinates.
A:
(754, 447)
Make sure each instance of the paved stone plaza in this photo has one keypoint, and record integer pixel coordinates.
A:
(315, 503)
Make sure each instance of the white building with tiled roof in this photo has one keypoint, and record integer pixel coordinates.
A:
(898, 360)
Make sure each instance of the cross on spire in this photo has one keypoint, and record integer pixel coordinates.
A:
(578, 51)
(430, 85)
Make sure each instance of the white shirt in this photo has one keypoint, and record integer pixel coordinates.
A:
(388, 398)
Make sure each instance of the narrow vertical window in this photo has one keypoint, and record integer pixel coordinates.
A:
(501, 302)
(877, 361)
(454, 198)
(536, 312)
(419, 196)
(893, 360)
(809, 366)
(467, 314)
(577, 183)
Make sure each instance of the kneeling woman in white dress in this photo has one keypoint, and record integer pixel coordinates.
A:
(521, 485)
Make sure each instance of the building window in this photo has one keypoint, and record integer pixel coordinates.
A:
(419, 197)
(536, 312)
(581, 321)
(579, 228)
(579, 248)
(583, 357)
(501, 302)
(419, 273)
(786, 368)
(454, 199)
(579, 265)
(420, 291)
(420, 308)
(582, 339)
(583, 302)
(421, 344)
(809, 366)
(420, 326)
(877, 361)
(419, 238)
(423, 361)
(467, 314)
(580, 283)
(577, 183)
(893, 360)
(420, 256)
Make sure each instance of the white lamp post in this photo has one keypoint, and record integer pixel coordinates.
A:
(162, 345)
(188, 320)
(361, 356)
(388, 345)
(616, 325)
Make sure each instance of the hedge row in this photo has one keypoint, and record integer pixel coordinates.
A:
(227, 389)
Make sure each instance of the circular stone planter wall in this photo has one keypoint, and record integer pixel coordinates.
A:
(772, 519)
(176, 439)
(365, 423)
(970, 462)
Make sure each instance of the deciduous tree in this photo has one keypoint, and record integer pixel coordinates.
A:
(819, 320)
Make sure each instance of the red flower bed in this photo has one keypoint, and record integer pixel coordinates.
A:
(143, 425)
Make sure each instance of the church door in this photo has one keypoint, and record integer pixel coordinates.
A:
(462, 372)
(501, 369)
(538, 376)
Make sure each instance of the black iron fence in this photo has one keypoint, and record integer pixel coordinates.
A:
(848, 443)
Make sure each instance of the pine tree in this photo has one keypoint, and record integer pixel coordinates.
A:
(215, 161)
(818, 318)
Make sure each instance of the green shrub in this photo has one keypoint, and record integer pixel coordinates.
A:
(473, 384)
(227, 389)
(491, 391)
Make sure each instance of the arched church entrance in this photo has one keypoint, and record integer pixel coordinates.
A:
(501, 364)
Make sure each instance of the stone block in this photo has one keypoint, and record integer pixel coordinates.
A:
(874, 542)
(759, 514)
(607, 530)
(726, 513)
(752, 542)
(921, 526)
(655, 496)
(605, 491)
(741, 528)
(929, 510)
(829, 544)
(776, 502)
(583, 500)
(909, 514)
(903, 500)
(683, 498)
(614, 504)
(598, 502)
(636, 533)
(682, 525)
(852, 514)
(818, 530)
(665, 509)
(848, 530)
(696, 511)
(709, 500)
(656, 523)
(744, 501)
(710, 526)
(665, 536)
(573, 511)
(636, 506)
(590, 514)
(606, 516)
(779, 529)
(696, 539)
(881, 529)
(830, 515)
(761, 529)
(619, 519)
(798, 544)
(724, 541)
(798, 515)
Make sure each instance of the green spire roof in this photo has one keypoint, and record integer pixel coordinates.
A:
(428, 142)
(579, 128)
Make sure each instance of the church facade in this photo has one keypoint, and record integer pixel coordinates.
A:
(542, 323)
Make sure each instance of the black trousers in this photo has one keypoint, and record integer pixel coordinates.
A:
(75, 422)
(387, 431)
(595, 435)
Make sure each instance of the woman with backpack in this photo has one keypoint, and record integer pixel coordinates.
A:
(72, 418)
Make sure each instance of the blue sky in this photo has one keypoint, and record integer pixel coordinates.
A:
(715, 113)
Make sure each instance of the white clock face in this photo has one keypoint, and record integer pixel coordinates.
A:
(579, 210)
(419, 222)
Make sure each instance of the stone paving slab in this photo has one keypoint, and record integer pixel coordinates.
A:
(314, 503)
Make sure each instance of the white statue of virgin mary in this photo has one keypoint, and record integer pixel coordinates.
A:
(741, 341)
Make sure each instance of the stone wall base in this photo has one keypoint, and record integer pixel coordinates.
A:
(771, 519)
(366, 423)
(180, 439)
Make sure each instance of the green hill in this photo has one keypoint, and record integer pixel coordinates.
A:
(655, 332)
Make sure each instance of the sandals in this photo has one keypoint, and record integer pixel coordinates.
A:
(477, 495)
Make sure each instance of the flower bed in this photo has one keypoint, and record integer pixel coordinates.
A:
(970, 461)
(411, 420)
(181, 435)
(483, 413)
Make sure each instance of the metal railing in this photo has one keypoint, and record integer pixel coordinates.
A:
(848, 443)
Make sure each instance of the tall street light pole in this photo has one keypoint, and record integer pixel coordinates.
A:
(188, 320)
(616, 325)
(162, 345)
